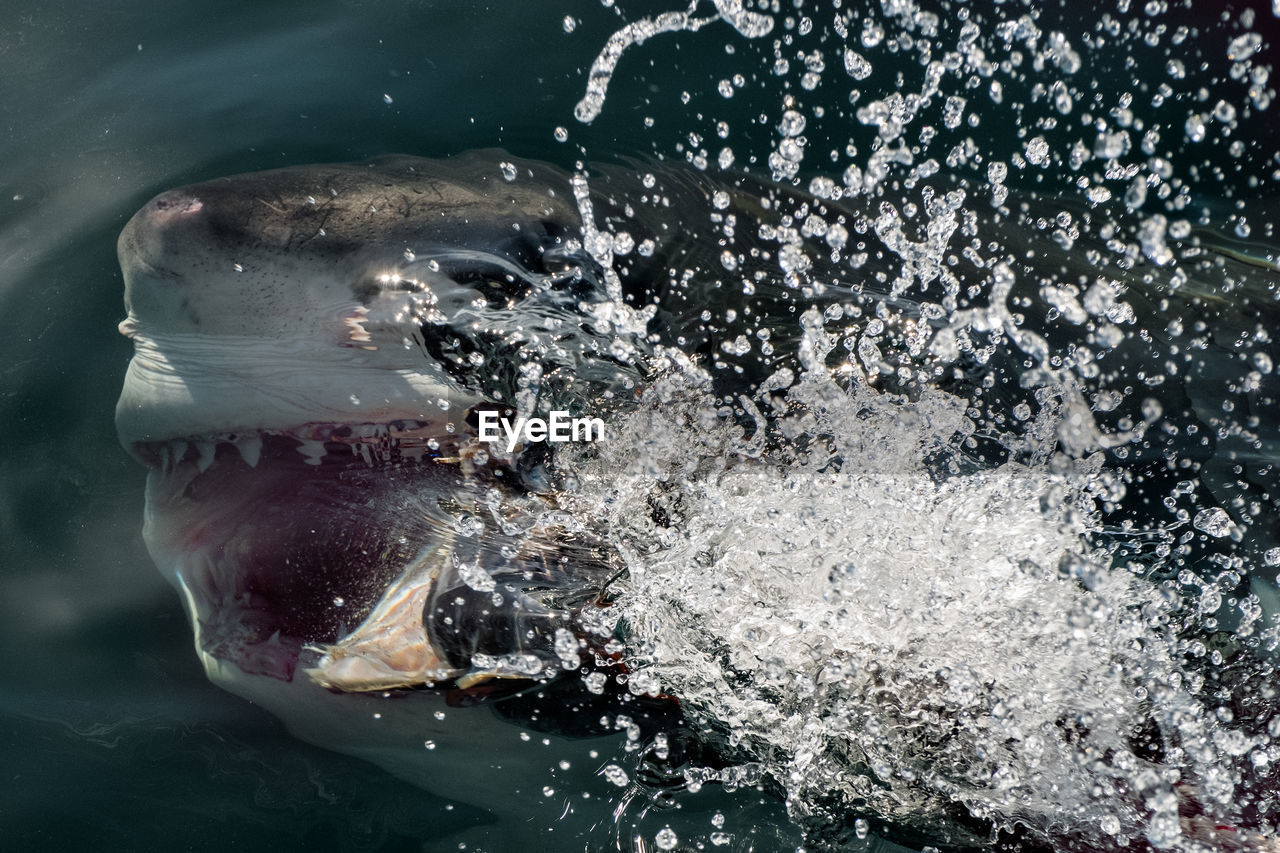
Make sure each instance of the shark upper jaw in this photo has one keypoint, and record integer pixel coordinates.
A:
(282, 543)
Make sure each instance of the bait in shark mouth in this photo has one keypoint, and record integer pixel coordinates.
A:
(315, 349)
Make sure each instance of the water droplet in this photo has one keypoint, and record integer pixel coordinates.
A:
(1243, 47)
(476, 576)
(1037, 151)
(856, 65)
(1213, 521)
(792, 123)
(1195, 127)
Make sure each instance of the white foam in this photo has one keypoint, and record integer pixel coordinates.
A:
(876, 636)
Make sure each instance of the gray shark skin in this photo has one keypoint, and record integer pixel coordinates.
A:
(313, 344)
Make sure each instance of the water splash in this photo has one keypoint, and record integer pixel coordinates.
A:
(749, 24)
(859, 611)
(885, 639)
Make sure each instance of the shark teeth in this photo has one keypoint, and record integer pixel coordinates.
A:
(374, 443)
(250, 450)
(312, 449)
(207, 450)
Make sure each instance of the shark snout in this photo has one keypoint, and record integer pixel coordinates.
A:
(168, 206)
(154, 229)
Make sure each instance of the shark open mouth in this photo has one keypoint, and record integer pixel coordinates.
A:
(283, 543)
(303, 395)
(372, 556)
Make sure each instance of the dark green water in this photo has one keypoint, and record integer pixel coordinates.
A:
(112, 737)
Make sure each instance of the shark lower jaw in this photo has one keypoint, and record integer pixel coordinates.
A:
(282, 543)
